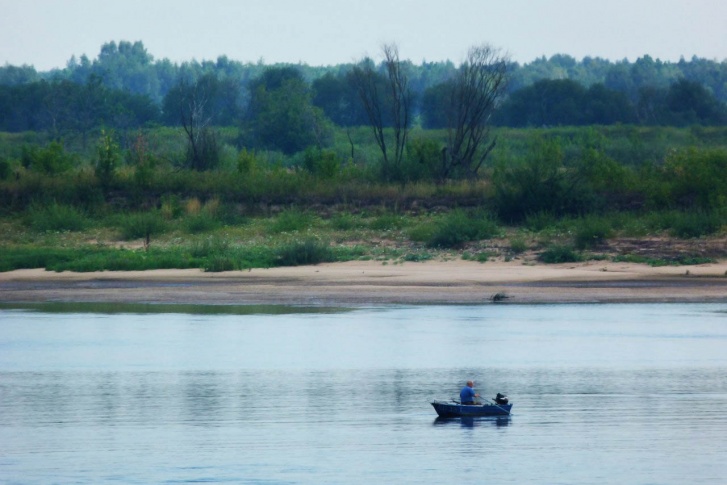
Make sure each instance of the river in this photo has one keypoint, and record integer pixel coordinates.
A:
(629, 394)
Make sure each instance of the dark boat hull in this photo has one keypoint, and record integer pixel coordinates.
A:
(452, 410)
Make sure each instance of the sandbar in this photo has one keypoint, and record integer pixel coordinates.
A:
(362, 283)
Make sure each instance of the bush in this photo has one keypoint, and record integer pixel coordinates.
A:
(387, 222)
(171, 207)
(299, 253)
(199, 223)
(518, 245)
(540, 182)
(219, 263)
(423, 160)
(321, 163)
(31, 257)
(422, 232)
(686, 224)
(51, 160)
(108, 159)
(291, 221)
(458, 227)
(560, 254)
(4, 168)
(540, 220)
(345, 222)
(695, 224)
(56, 217)
(697, 177)
(144, 225)
(591, 231)
(209, 247)
(680, 260)
(246, 162)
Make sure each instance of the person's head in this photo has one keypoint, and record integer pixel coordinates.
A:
(470, 383)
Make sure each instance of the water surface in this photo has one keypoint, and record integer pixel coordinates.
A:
(602, 393)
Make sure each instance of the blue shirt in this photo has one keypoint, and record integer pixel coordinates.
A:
(467, 394)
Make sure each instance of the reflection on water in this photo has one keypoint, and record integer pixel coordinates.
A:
(471, 422)
(601, 394)
(162, 308)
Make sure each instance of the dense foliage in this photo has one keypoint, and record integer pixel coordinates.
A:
(245, 165)
(124, 87)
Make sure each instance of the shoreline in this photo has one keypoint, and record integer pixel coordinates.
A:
(360, 283)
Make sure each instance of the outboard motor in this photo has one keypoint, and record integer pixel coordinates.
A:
(501, 399)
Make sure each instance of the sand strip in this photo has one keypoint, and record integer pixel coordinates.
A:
(370, 282)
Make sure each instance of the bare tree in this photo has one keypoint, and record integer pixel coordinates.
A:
(383, 95)
(400, 99)
(475, 92)
(195, 115)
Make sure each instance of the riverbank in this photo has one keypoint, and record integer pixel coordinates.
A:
(372, 283)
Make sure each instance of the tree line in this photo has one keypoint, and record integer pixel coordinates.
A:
(125, 87)
(128, 66)
(291, 109)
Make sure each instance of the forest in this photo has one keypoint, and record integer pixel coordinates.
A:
(126, 162)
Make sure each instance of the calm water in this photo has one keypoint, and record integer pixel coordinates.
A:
(632, 394)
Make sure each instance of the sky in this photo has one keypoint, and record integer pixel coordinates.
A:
(46, 33)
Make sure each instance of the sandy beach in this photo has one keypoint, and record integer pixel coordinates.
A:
(371, 282)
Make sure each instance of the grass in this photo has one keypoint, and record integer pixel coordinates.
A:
(308, 251)
(591, 231)
(454, 229)
(142, 225)
(681, 260)
(295, 236)
(560, 254)
(291, 220)
(56, 217)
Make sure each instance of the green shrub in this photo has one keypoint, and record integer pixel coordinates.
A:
(201, 222)
(209, 247)
(171, 207)
(680, 260)
(345, 222)
(697, 177)
(51, 160)
(422, 232)
(540, 220)
(417, 257)
(4, 168)
(387, 222)
(299, 253)
(481, 257)
(458, 227)
(229, 215)
(246, 162)
(56, 217)
(518, 245)
(695, 224)
(219, 263)
(290, 221)
(35, 257)
(423, 160)
(127, 260)
(321, 163)
(591, 231)
(108, 159)
(560, 254)
(144, 225)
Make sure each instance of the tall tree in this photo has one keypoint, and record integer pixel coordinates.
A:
(382, 93)
(281, 114)
(476, 90)
(192, 104)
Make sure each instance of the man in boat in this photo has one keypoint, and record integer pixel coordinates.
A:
(467, 395)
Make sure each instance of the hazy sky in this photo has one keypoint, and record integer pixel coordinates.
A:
(46, 33)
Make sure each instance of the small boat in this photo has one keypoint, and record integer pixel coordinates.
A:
(453, 409)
